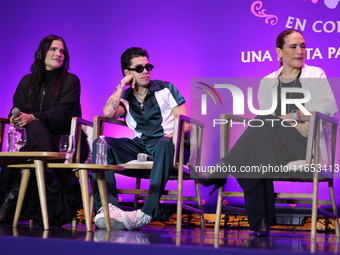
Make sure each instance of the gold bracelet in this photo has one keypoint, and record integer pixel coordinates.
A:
(32, 117)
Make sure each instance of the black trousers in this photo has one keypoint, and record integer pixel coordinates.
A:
(269, 145)
(122, 150)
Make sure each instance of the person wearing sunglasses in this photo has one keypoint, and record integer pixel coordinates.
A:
(148, 107)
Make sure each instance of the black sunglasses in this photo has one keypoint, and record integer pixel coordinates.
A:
(140, 68)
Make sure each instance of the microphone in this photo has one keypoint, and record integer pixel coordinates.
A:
(15, 112)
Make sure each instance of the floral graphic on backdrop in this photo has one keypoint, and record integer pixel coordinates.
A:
(258, 11)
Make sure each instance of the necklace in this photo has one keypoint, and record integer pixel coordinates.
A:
(140, 100)
(44, 92)
(142, 94)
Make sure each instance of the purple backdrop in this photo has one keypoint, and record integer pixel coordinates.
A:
(185, 39)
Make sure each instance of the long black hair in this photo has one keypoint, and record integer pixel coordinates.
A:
(38, 71)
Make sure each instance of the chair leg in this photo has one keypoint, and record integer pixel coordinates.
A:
(25, 177)
(178, 239)
(179, 204)
(74, 222)
(30, 223)
(91, 204)
(91, 197)
(218, 211)
(335, 211)
(135, 200)
(39, 171)
(200, 206)
(103, 197)
(83, 177)
(314, 207)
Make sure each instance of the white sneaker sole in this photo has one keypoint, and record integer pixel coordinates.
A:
(115, 224)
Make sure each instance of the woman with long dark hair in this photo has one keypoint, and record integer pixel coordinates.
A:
(47, 99)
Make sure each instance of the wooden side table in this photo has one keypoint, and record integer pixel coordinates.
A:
(38, 157)
(83, 170)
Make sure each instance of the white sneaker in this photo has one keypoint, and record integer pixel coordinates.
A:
(115, 218)
(135, 219)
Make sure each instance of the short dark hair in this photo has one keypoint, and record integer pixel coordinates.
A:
(125, 59)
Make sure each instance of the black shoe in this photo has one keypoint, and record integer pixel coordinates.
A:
(8, 204)
(10, 184)
(261, 229)
(208, 179)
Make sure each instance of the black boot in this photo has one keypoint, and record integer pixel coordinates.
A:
(218, 179)
(8, 203)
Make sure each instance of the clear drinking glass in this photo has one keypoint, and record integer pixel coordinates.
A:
(20, 137)
(66, 145)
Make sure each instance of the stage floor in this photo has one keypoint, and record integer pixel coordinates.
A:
(159, 239)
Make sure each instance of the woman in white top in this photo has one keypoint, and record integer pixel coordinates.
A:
(274, 144)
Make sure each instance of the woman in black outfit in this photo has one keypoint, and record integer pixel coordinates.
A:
(47, 98)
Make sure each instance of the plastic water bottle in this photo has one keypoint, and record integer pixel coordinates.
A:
(11, 138)
(101, 149)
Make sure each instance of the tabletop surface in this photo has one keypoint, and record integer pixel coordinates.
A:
(85, 166)
(27, 155)
(46, 155)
